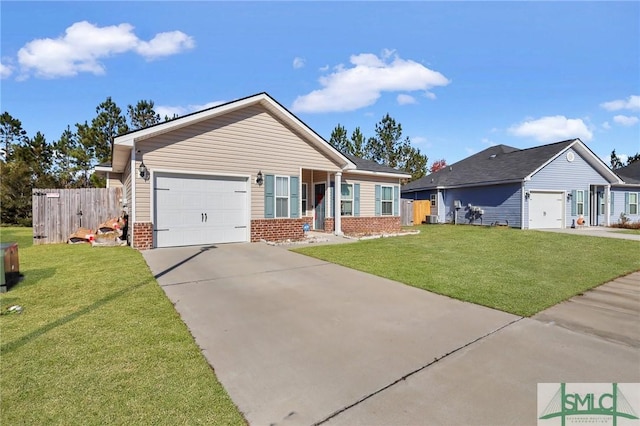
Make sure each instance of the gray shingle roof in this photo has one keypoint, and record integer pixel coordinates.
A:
(372, 166)
(496, 164)
(630, 173)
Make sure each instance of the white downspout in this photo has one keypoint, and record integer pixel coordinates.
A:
(337, 195)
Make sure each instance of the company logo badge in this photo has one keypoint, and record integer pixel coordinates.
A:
(616, 404)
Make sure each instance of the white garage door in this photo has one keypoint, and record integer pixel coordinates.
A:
(546, 209)
(200, 210)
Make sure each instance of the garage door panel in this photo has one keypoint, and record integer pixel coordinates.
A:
(182, 201)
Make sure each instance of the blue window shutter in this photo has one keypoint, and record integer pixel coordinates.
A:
(626, 202)
(378, 200)
(574, 197)
(356, 199)
(586, 203)
(396, 200)
(269, 196)
(611, 194)
(332, 198)
(294, 197)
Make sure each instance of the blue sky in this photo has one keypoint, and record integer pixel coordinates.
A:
(458, 76)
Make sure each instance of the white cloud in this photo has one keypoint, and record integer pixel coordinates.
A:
(626, 120)
(404, 99)
(165, 44)
(349, 89)
(553, 129)
(470, 151)
(83, 45)
(606, 125)
(298, 62)
(632, 103)
(170, 111)
(324, 68)
(488, 142)
(5, 70)
(430, 95)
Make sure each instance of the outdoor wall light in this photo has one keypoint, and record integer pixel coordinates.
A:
(527, 195)
(143, 171)
(259, 179)
(569, 196)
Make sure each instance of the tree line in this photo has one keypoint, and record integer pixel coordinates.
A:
(386, 147)
(67, 162)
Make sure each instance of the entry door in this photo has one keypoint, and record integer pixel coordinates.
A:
(320, 190)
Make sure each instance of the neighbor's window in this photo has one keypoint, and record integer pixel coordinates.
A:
(433, 200)
(580, 202)
(601, 199)
(304, 199)
(633, 203)
(282, 196)
(346, 199)
(387, 200)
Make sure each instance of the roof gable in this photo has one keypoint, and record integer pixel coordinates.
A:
(124, 143)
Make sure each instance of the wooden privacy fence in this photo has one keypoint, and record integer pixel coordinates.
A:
(57, 213)
(415, 212)
(421, 209)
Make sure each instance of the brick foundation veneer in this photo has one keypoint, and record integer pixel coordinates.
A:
(142, 235)
(329, 224)
(370, 225)
(278, 229)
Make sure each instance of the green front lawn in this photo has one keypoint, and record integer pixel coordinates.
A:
(522, 272)
(98, 342)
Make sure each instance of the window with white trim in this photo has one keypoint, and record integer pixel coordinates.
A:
(633, 203)
(580, 202)
(304, 199)
(433, 200)
(282, 196)
(387, 200)
(601, 202)
(346, 199)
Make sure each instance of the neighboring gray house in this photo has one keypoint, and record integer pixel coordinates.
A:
(626, 197)
(548, 186)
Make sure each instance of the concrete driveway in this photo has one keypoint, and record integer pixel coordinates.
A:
(596, 231)
(299, 341)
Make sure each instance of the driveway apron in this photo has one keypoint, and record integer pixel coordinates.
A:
(296, 340)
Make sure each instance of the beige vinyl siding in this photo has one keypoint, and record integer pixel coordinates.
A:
(368, 190)
(127, 186)
(241, 142)
(115, 180)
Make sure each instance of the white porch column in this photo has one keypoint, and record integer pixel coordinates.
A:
(338, 193)
(607, 205)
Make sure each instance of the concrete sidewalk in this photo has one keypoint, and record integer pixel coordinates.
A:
(596, 231)
(299, 341)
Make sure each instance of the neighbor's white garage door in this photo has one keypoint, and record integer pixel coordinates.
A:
(546, 209)
(199, 210)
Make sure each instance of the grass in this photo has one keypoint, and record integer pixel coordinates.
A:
(99, 343)
(516, 271)
(628, 231)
